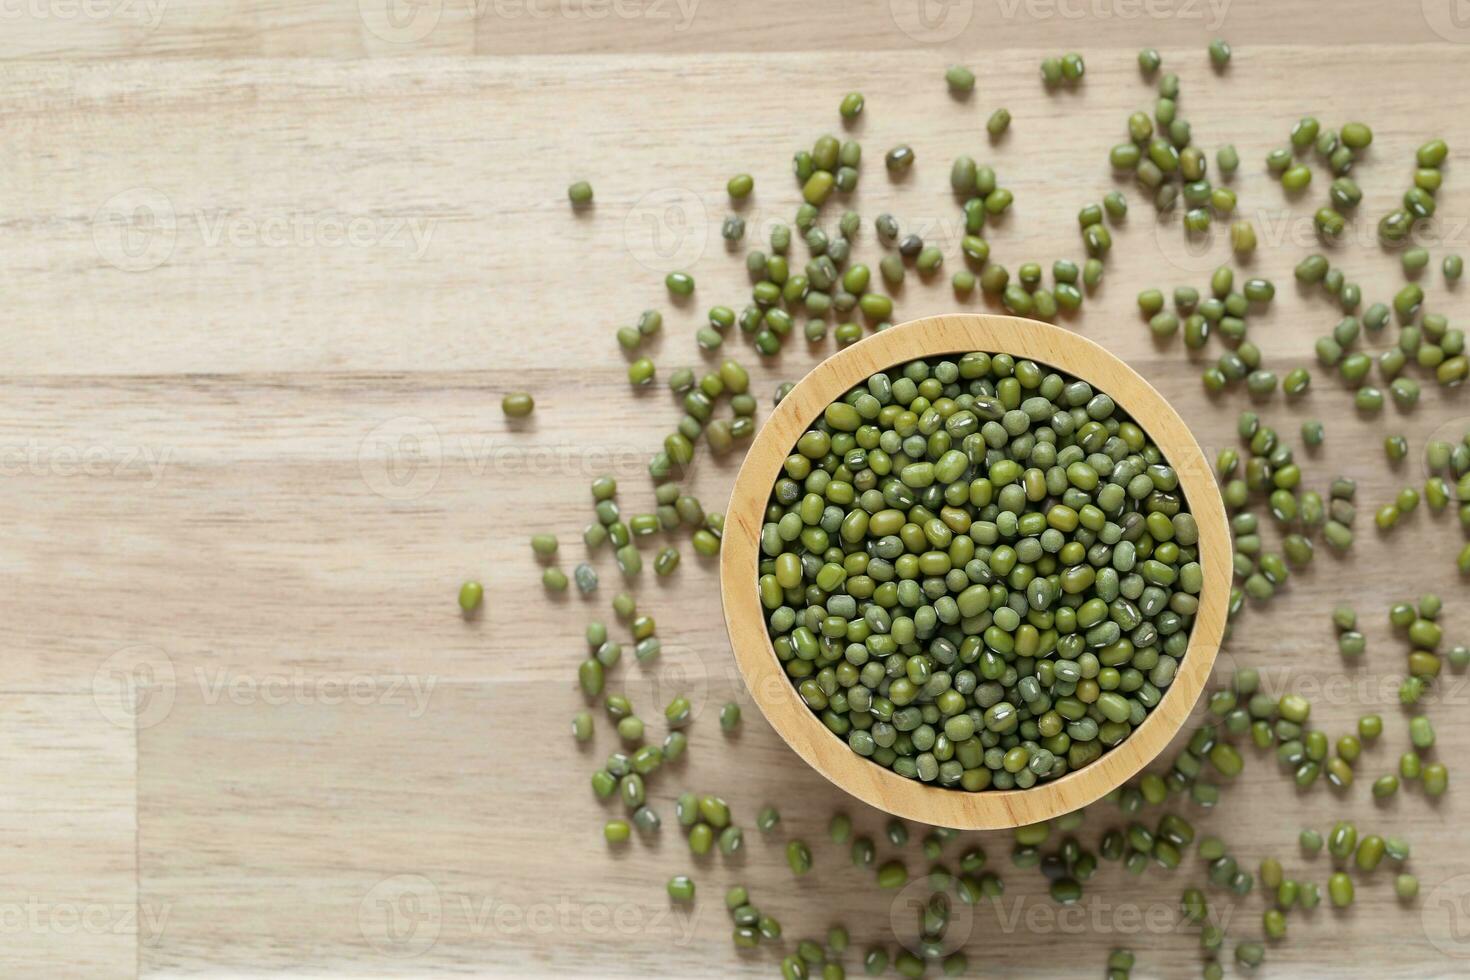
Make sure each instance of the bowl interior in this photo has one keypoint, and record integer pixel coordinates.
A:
(774, 692)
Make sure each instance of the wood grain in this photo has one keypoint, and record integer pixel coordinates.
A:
(68, 819)
(772, 689)
(248, 459)
(101, 29)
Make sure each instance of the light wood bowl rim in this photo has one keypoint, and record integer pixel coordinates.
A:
(774, 693)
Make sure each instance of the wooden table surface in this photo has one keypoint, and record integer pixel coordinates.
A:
(270, 267)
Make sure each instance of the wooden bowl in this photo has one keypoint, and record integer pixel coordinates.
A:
(773, 690)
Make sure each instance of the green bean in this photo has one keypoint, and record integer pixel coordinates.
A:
(1395, 226)
(740, 186)
(1368, 399)
(586, 578)
(701, 838)
(1296, 381)
(798, 857)
(1436, 779)
(582, 726)
(1227, 159)
(604, 784)
(1414, 260)
(1420, 732)
(929, 260)
(1304, 132)
(517, 405)
(893, 874)
(1407, 301)
(731, 840)
(630, 729)
(1125, 156)
(1242, 237)
(1092, 272)
(961, 80)
(1296, 178)
(1329, 222)
(1356, 136)
(908, 965)
(673, 746)
(470, 595)
(1419, 203)
(1250, 955)
(1260, 383)
(730, 716)
(641, 371)
(1345, 193)
(1432, 153)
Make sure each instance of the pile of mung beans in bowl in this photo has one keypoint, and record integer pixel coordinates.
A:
(977, 578)
(978, 571)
